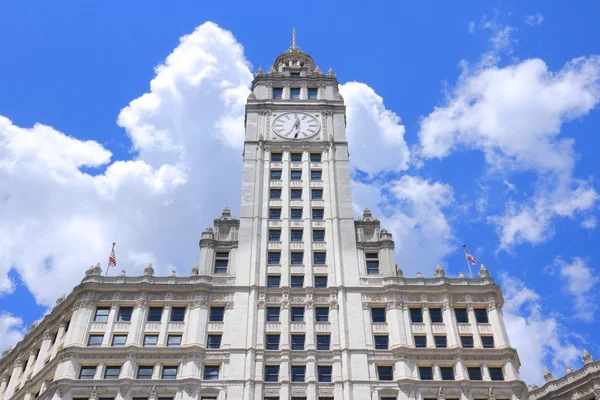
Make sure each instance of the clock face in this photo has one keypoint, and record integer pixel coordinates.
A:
(295, 125)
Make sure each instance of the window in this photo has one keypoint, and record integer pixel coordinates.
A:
(295, 174)
(322, 314)
(271, 373)
(217, 314)
(324, 373)
(54, 337)
(297, 281)
(296, 157)
(481, 316)
(145, 372)
(298, 372)
(319, 236)
(416, 315)
(275, 213)
(95, 340)
(213, 342)
(276, 174)
(315, 157)
(496, 374)
(275, 194)
(119, 340)
(125, 314)
(295, 74)
(317, 214)
(294, 93)
(169, 372)
(112, 372)
(274, 235)
(298, 342)
(312, 93)
(420, 341)
(273, 314)
(381, 342)
(174, 340)
(278, 93)
(272, 342)
(297, 258)
(317, 194)
(320, 281)
(467, 342)
(488, 342)
(440, 342)
(436, 315)
(385, 373)
(461, 315)
(87, 372)
(319, 258)
(378, 314)
(273, 281)
(154, 314)
(296, 213)
(426, 373)
(274, 257)
(296, 194)
(447, 373)
(178, 314)
(297, 314)
(372, 263)
(475, 373)
(211, 372)
(296, 235)
(323, 342)
(315, 175)
(102, 314)
(150, 340)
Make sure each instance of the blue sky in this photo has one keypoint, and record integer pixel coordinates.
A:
(469, 122)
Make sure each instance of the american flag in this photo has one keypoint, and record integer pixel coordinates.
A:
(112, 259)
(471, 258)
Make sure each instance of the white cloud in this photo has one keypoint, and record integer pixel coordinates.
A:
(580, 280)
(11, 330)
(471, 27)
(534, 20)
(589, 222)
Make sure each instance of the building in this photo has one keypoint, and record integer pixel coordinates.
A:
(294, 300)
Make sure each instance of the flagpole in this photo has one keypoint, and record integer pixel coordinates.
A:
(467, 259)
(108, 264)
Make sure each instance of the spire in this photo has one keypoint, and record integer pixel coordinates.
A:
(294, 38)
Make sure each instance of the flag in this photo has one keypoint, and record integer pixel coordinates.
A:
(471, 258)
(112, 259)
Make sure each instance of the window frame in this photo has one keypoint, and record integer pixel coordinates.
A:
(317, 238)
(297, 177)
(296, 235)
(271, 373)
(275, 214)
(274, 194)
(293, 344)
(477, 371)
(294, 157)
(320, 281)
(299, 279)
(112, 342)
(169, 337)
(381, 342)
(426, 373)
(276, 175)
(316, 157)
(124, 316)
(177, 314)
(216, 309)
(420, 344)
(169, 368)
(317, 172)
(299, 373)
(212, 343)
(87, 368)
(388, 372)
(319, 258)
(490, 342)
(101, 317)
(273, 281)
(271, 343)
(277, 93)
(467, 337)
(481, 316)
(441, 341)
(274, 258)
(295, 194)
(296, 314)
(278, 235)
(271, 312)
(318, 214)
(147, 343)
(381, 318)
(494, 374)
(321, 314)
(324, 373)
(312, 93)
(436, 315)
(462, 315)
(296, 258)
(112, 368)
(295, 93)
(325, 345)
(152, 317)
(95, 336)
(449, 372)
(145, 368)
(211, 372)
(296, 214)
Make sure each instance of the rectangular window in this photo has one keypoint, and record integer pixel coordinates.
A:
(320, 281)
(271, 373)
(296, 194)
(296, 235)
(416, 315)
(322, 314)
(462, 317)
(95, 340)
(318, 236)
(273, 281)
(87, 372)
(317, 214)
(102, 314)
(297, 257)
(274, 235)
(481, 316)
(297, 281)
(496, 374)
(298, 372)
(174, 340)
(475, 373)
(272, 342)
(324, 373)
(487, 342)
(273, 314)
(295, 174)
(467, 342)
(440, 342)
(275, 213)
(295, 74)
(420, 341)
(319, 258)
(296, 157)
(323, 342)
(150, 340)
(315, 175)
(125, 314)
(294, 93)
(436, 315)
(447, 373)
(377, 314)
(213, 342)
(221, 262)
(275, 174)
(317, 194)
(275, 194)
(278, 93)
(381, 342)
(298, 342)
(297, 314)
(426, 373)
(312, 93)
(145, 372)
(177, 314)
(154, 314)
(169, 372)
(112, 372)
(274, 257)
(315, 157)
(385, 373)
(119, 340)
(217, 314)
(296, 213)
(372, 263)
(211, 372)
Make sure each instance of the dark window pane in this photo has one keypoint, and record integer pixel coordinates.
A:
(462, 317)
(276, 174)
(296, 194)
(296, 175)
(273, 314)
(145, 372)
(119, 340)
(274, 235)
(297, 314)
(125, 314)
(324, 373)
(488, 342)
(378, 314)
(296, 235)
(297, 258)
(174, 340)
(294, 93)
(275, 213)
(273, 281)
(496, 374)
(420, 341)
(481, 316)
(295, 74)
(271, 373)
(436, 315)
(315, 157)
(297, 281)
(316, 175)
(317, 194)
(102, 314)
(373, 267)
(385, 373)
(381, 342)
(319, 258)
(276, 157)
(321, 314)
(317, 214)
(275, 194)
(323, 342)
(312, 93)
(416, 315)
(211, 372)
(426, 373)
(150, 340)
(447, 373)
(475, 373)
(217, 314)
(320, 281)
(213, 342)
(467, 342)
(87, 372)
(298, 372)
(154, 314)
(277, 93)
(95, 340)
(298, 342)
(274, 257)
(177, 314)
(295, 157)
(318, 236)
(112, 372)
(440, 342)
(272, 342)
(296, 213)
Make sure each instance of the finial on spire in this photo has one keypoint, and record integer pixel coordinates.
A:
(294, 38)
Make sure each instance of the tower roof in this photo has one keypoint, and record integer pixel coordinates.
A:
(293, 57)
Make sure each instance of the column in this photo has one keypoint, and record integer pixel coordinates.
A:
(3, 385)
(137, 322)
(307, 223)
(286, 223)
(485, 372)
(284, 317)
(260, 325)
(497, 321)
(15, 376)
(461, 370)
(437, 374)
(284, 375)
(473, 321)
(428, 329)
(100, 371)
(511, 372)
(207, 252)
(59, 334)
(46, 340)
(309, 317)
(80, 323)
(30, 361)
(311, 377)
(164, 325)
(368, 325)
(156, 371)
(451, 325)
(407, 327)
(335, 327)
(392, 316)
(110, 325)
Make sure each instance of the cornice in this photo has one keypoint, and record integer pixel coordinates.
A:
(583, 381)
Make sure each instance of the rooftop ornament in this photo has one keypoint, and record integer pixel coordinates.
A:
(439, 272)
